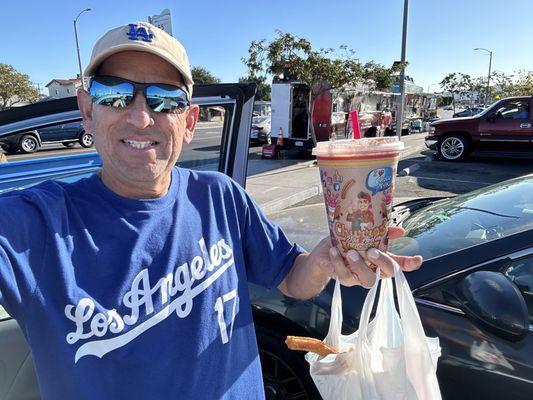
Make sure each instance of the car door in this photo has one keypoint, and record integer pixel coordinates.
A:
(478, 361)
(508, 127)
(220, 144)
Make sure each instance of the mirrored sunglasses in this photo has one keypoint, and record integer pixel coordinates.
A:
(113, 91)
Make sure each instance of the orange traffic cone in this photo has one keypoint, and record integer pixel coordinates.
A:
(280, 138)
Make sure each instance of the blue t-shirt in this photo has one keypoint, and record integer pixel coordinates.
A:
(140, 299)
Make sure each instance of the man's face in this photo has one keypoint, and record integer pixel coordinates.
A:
(121, 135)
(363, 204)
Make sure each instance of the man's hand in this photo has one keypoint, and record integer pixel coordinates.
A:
(311, 272)
(356, 270)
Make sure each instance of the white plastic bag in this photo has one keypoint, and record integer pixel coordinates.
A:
(388, 358)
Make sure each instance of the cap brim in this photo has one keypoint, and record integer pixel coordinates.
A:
(93, 65)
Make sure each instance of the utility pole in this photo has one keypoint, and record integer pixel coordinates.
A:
(399, 113)
(78, 47)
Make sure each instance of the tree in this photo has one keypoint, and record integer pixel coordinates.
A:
(15, 87)
(202, 75)
(519, 84)
(263, 88)
(289, 57)
(458, 84)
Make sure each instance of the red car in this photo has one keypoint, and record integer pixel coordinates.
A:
(506, 126)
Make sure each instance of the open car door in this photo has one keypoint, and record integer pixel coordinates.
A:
(220, 144)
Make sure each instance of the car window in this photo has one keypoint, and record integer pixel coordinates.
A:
(520, 272)
(203, 153)
(513, 110)
(468, 220)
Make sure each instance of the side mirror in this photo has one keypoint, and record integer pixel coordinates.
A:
(495, 303)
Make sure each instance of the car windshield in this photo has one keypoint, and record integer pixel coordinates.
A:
(468, 220)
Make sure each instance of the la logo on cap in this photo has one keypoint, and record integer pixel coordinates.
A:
(139, 33)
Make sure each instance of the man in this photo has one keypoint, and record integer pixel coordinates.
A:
(523, 111)
(132, 284)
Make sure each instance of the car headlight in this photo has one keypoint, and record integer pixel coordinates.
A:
(431, 130)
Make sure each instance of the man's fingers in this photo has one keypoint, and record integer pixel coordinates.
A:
(395, 232)
(381, 260)
(385, 261)
(358, 266)
(408, 263)
(343, 274)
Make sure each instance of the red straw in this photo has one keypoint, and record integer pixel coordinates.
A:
(355, 124)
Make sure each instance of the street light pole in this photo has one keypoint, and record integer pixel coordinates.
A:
(488, 76)
(78, 47)
(399, 114)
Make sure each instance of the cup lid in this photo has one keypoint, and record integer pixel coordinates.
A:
(346, 147)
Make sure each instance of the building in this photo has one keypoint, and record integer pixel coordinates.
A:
(58, 88)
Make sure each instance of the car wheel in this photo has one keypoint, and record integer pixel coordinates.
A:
(28, 144)
(285, 372)
(453, 147)
(69, 144)
(86, 140)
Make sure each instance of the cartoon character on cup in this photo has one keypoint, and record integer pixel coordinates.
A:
(360, 214)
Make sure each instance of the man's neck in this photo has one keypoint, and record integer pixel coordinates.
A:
(136, 190)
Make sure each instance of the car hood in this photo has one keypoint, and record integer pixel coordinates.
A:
(458, 120)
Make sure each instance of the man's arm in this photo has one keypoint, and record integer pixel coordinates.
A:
(311, 272)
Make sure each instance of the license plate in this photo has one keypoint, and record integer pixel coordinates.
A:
(300, 144)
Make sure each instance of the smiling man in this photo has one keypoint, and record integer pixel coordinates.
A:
(133, 283)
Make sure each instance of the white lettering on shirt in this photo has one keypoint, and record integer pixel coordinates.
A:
(174, 291)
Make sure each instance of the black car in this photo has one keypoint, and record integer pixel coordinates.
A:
(68, 134)
(474, 291)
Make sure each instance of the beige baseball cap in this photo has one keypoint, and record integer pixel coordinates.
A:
(142, 36)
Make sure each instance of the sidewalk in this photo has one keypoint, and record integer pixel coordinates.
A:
(281, 188)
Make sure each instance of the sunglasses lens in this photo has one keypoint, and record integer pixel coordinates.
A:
(162, 98)
(111, 92)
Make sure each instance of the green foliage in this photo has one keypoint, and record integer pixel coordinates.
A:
(502, 85)
(518, 84)
(457, 83)
(321, 69)
(15, 87)
(263, 88)
(202, 75)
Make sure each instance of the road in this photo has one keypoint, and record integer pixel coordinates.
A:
(419, 176)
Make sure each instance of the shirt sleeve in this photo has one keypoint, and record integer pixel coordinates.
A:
(268, 253)
(21, 249)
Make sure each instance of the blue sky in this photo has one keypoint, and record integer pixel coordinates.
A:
(38, 36)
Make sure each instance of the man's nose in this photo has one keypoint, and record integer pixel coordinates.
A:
(138, 113)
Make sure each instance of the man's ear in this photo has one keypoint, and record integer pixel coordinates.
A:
(85, 105)
(190, 122)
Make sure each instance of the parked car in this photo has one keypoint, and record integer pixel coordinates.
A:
(68, 134)
(468, 112)
(474, 291)
(260, 128)
(507, 125)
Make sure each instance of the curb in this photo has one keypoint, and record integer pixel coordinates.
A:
(282, 204)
